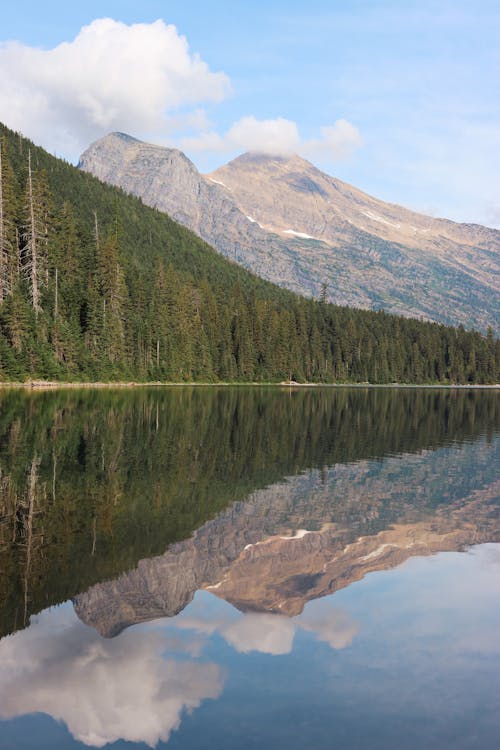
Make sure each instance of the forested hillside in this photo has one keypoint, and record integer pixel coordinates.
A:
(95, 285)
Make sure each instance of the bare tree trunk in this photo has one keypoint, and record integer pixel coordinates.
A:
(33, 478)
(54, 474)
(94, 536)
(56, 296)
(18, 259)
(33, 243)
(96, 231)
(2, 232)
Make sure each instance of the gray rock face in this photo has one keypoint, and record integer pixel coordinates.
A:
(290, 223)
(166, 179)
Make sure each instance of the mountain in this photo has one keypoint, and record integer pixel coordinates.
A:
(96, 285)
(292, 224)
(166, 179)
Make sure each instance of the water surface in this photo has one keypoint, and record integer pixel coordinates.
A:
(249, 567)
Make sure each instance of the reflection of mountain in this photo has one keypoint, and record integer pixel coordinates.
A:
(259, 557)
(282, 574)
(93, 482)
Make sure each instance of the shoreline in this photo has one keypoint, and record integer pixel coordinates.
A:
(43, 385)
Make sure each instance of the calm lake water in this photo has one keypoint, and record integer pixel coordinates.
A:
(250, 568)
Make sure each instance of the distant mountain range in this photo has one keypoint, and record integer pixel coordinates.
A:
(292, 224)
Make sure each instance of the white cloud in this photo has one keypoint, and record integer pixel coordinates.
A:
(271, 136)
(278, 136)
(103, 690)
(144, 80)
(339, 140)
(110, 77)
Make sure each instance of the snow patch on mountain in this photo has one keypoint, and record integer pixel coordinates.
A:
(301, 235)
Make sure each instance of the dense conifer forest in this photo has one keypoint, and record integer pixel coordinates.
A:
(96, 286)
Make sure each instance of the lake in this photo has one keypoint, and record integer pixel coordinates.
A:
(235, 567)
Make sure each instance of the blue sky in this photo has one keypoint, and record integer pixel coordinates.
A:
(399, 98)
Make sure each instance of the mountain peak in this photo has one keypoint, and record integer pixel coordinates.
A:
(123, 137)
(292, 170)
(288, 221)
(129, 142)
(264, 158)
(163, 177)
(105, 156)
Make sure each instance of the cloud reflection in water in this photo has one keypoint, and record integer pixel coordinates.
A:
(127, 688)
(135, 687)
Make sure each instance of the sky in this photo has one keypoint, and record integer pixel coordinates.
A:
(400, 99)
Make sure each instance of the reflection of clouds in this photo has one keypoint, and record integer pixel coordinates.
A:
(128, 687)
(489, 554)
(332, 625)
(269, 633)
(103, 690)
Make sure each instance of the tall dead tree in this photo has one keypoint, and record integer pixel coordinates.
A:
(8, 245)
(35, 238)
(25, 536)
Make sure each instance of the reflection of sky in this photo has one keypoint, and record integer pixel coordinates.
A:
(130, 687)
(405, 658)
(103, 690)
(266, 633)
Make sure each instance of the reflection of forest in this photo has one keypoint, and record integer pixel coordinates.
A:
(91, 482)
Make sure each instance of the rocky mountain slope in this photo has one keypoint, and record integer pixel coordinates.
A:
(287, 221)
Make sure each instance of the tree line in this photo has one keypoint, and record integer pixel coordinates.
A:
(96, 286)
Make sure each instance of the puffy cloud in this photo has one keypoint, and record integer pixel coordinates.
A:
(278, 136)
(103, 690)
(271, 136)
(141, 79)
(112, 76)
(338, 140)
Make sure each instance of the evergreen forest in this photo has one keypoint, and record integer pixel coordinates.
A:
(94, 285)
